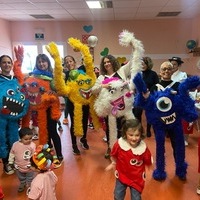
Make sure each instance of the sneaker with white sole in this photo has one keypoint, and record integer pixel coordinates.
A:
(8, 169)
(84, 143)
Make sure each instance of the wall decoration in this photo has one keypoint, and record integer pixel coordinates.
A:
(85, 38)
(88, 29)
(121, 59)
(105, 52)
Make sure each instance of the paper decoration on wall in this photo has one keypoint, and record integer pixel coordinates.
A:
(105, 52)
(85, 38)
(92, 41)
(121, 59)
(88, 29)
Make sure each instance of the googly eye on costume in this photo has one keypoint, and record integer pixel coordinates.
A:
(139, 163)
(164, 104)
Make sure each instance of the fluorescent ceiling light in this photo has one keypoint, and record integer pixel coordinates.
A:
(94, 4)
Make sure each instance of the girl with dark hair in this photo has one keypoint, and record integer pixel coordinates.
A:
(110, 67)
(129, 157)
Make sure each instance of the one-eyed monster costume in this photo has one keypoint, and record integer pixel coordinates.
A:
(13, 106)
(165, 110)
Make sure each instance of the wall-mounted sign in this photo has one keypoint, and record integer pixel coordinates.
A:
(39, 36)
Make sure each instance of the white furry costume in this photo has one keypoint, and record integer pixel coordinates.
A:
(117, 101)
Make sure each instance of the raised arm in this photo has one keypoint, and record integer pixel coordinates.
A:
(58, 70)
(19, 54)
(134, 65)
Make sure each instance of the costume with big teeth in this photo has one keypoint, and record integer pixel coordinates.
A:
(116, 101)
(79, 84)
(164, 110)
(36, 88)
(13, 106)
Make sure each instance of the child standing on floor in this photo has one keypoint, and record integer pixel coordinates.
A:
(19, 157)
(129, 157)
(44, 184)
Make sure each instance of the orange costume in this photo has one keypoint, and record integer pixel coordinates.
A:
(37, 89)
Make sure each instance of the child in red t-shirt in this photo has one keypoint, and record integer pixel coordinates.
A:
(129, 157)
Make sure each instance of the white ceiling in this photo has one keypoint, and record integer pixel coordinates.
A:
(77, 10)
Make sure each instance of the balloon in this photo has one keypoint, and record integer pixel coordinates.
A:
(191, 44)
(92, 41)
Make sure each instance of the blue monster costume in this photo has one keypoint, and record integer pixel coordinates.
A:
(13, 106)
(165, 110)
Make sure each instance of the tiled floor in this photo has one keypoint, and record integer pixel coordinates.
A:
(83, 177)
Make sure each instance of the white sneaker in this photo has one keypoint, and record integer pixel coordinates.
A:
(105, 139)
(35, 137)
(186, 143)
(198, 190)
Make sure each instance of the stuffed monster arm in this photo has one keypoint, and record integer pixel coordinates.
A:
(58, 71)
(87, 57)
(128, 39)
(141, 90)
(184, 87)
(19, 54)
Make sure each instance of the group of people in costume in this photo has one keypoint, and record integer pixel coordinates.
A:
(112, 96)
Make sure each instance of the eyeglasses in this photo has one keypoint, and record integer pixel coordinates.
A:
(166, 68)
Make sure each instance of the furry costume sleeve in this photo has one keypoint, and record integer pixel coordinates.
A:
(117, 100)
(78, 87)
(36, 89)
(165, 110)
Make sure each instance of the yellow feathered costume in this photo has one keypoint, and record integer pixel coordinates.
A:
(78, 87)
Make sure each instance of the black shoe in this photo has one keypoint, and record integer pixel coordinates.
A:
(91, 126)
(60, 129)
(76, 150)
(8, 169)
(84, 144)
(22, 187)
(107, 154)
(60, 158)
(182, 178)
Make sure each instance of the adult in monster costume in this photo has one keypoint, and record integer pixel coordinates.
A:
(78, 90)
(164, 110)
(113, 89)
(38, 89)
(13, 106)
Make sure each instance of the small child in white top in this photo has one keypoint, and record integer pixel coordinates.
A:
(43, 186)
(19, 157)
